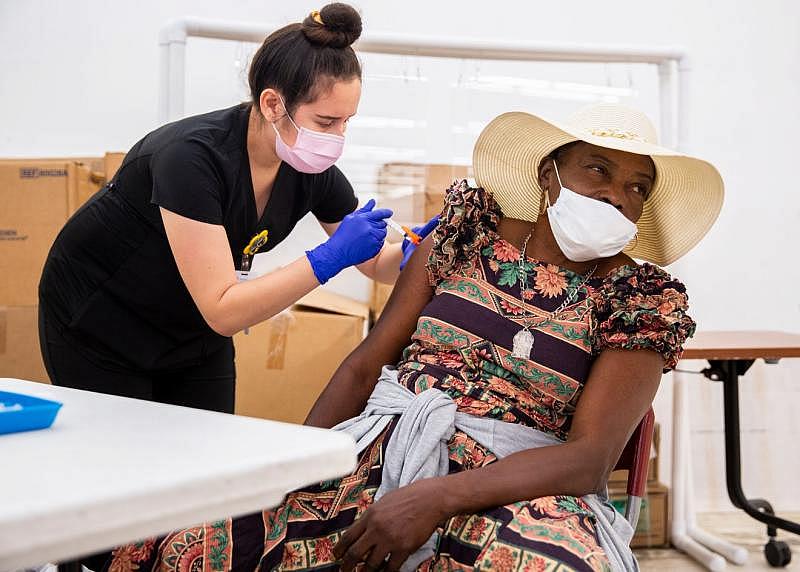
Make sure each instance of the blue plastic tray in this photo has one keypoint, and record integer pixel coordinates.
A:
(20, 412)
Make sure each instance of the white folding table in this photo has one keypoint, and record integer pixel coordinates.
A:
(113, 470)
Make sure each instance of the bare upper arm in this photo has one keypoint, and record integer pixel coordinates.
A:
(398, 321)
(329, 227)
(620, 389)
(202, 254)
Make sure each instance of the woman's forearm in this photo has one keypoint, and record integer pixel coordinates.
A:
(568, 469)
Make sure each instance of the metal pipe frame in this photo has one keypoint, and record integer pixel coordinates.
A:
(673, 63)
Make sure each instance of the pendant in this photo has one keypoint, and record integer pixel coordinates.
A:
(523, 344)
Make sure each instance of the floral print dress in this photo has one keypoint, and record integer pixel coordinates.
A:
(462, 346)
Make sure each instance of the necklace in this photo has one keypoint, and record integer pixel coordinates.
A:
(523, 339)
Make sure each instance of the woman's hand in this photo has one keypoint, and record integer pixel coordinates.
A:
(394, 527)
(409, 247)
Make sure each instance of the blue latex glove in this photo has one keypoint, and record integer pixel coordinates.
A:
(409, 247)
(359, 237)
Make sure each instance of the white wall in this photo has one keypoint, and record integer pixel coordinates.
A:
(80, 78)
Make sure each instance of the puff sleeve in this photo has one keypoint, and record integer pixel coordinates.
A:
(642, 308)
(468, 216)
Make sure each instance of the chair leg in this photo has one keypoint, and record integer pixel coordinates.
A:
(632, 509)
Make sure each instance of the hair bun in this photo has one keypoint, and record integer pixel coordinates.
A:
(340, 26)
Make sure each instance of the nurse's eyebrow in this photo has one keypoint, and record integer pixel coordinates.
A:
(330, 117)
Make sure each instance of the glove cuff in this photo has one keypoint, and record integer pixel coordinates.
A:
(323, 263)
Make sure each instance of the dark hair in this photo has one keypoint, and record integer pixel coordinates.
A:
(558, 152)
(300, 60)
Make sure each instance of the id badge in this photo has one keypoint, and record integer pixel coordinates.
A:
(242, 276)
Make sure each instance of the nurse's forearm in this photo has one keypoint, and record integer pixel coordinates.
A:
(247, 303)
(385, 267)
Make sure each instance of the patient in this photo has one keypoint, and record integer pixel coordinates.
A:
(525, 347)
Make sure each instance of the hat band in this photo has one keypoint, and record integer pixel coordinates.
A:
(617, 134)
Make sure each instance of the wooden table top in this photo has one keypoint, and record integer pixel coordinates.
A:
(745, 344)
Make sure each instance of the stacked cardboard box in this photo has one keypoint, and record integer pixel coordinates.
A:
(37, 196)
(415, 191)
(283, 364)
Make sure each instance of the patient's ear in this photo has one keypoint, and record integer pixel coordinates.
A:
(546, 173)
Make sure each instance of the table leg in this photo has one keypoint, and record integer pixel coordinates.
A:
(777, 552)
(756, 508)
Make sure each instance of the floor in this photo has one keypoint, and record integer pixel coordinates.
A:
(736, 527)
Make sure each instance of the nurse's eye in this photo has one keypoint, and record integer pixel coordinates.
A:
(600, 169)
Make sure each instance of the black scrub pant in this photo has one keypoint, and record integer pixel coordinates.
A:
(209, 385)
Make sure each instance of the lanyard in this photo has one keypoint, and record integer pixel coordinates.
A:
(252, 248)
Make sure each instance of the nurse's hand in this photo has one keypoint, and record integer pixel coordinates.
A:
(359, 237)
(409, 247)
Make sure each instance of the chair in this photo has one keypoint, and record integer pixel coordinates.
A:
(635, 459)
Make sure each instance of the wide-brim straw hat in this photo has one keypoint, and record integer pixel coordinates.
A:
(682, 206)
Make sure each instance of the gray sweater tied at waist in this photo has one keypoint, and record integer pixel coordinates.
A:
(417, 449)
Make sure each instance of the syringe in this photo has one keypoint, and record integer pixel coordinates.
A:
(404, 230)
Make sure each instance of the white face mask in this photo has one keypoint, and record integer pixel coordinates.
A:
(585, 228)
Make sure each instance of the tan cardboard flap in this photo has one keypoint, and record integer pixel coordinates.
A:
(277, 339)
(326, 301)
(20, 356)
(112, 163)
(283, 364)
(87, 183)
(3, 329)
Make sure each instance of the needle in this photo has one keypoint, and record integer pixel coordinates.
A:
(404, 230)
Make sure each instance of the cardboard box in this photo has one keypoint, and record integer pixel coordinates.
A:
(111, 164)
(380, 295)
(620, 478)
(652, 530)
(415, 191)
(37, 196)
(88, 181)
(283, 364)
(20, 356)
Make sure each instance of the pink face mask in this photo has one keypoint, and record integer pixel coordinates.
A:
(312, 152)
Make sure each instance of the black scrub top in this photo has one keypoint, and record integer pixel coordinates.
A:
(111, 284)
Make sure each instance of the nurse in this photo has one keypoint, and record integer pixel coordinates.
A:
(143, 289)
